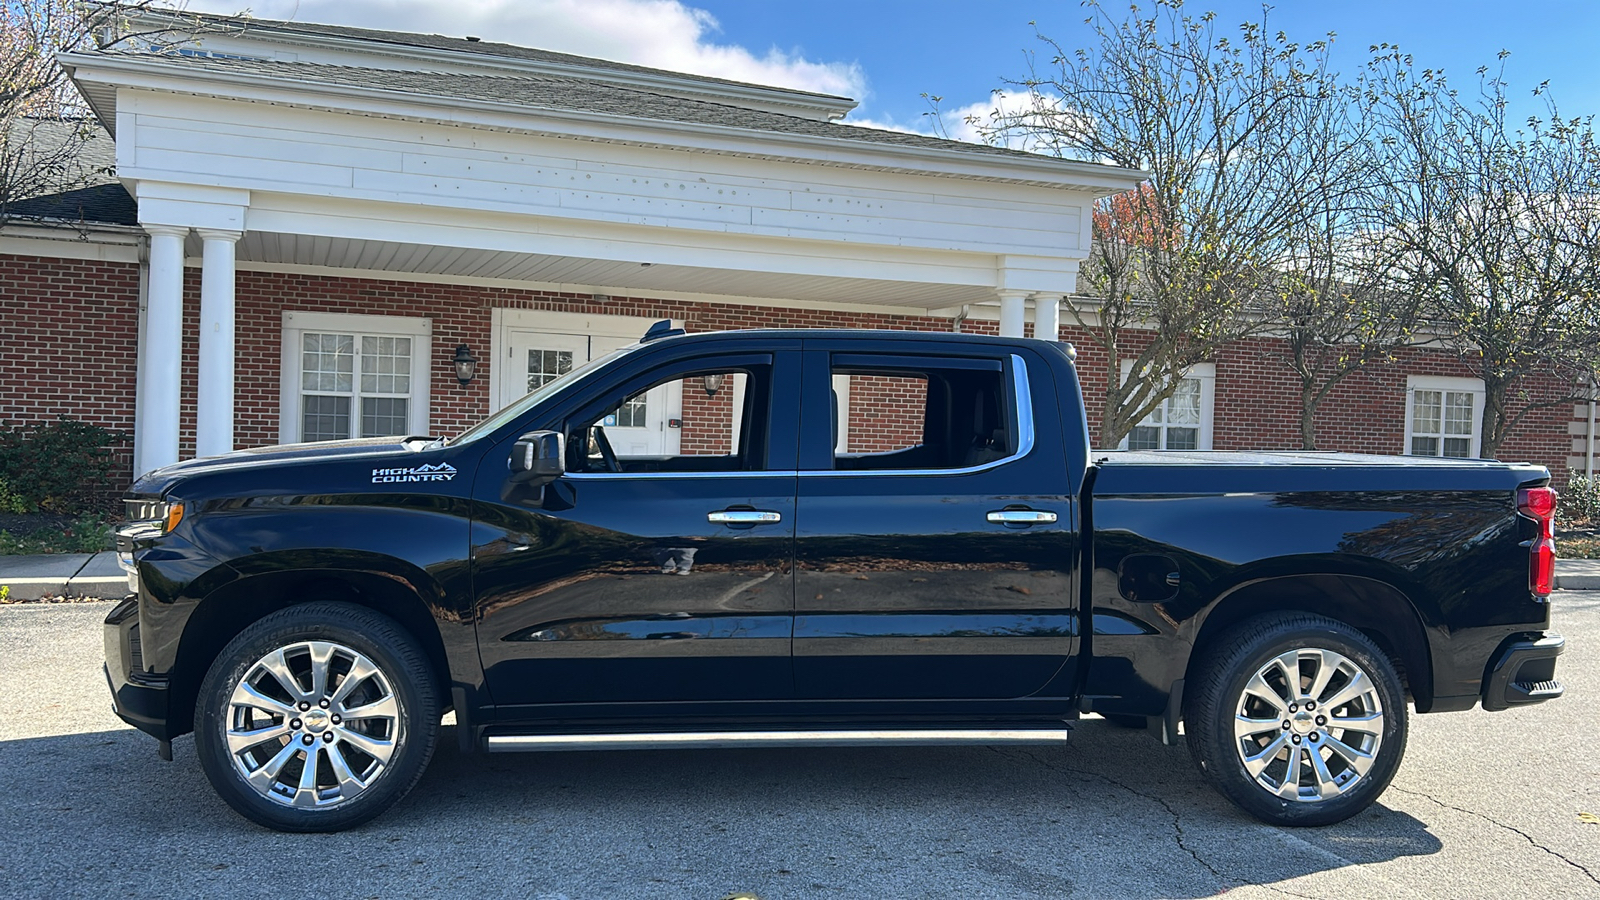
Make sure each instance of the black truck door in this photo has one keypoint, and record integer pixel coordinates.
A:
(659, 578)
(936, 535)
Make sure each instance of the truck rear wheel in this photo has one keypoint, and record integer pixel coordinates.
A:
(317, 718)
(1299, 719)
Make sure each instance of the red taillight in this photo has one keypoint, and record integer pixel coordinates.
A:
(1539, 504)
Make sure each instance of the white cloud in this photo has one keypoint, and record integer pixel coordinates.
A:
(967, 122)
(663, 34)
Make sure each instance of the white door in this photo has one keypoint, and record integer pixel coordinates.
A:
(638, 428)
(535, 358)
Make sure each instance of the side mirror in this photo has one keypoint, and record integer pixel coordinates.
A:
(538, 457)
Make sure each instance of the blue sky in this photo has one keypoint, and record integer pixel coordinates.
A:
(960, 49)
(886, 53)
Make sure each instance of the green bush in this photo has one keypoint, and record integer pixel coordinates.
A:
(11, 501)
(57, 467)
(1581, 500)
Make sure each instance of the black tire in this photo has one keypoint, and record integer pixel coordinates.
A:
(1218, 693)
(400, 692)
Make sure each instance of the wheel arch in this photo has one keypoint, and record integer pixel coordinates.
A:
(1374, 607)
(233, 607)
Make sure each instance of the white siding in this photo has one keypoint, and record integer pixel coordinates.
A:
(266, 148)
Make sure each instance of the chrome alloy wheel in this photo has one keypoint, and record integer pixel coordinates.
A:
(313, 725)
(1308, 725)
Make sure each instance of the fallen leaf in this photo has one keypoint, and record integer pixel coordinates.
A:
(861, 578)
(1019, 589)
(919, 580)
(1588, 818)
(819, 596)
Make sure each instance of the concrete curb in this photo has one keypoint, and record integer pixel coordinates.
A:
(63, 575)
(1578, 574)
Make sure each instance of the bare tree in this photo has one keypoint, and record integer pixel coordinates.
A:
(44, 124)
(1496, 227)
(1332, 304)
(1180, 266)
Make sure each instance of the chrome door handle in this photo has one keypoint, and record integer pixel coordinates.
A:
(1021, 517)
(743, 517)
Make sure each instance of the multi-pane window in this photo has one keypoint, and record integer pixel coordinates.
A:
(631, 414)
(335, 404)
(545, 366)
(1175, 424)
(327, 381)
(1442, 422)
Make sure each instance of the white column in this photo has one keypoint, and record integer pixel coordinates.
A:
(140, 369)
(1047, 317)
(213, 433)
(1013, 312)
(162, 357)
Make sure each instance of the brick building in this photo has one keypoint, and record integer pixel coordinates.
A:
(309, 220)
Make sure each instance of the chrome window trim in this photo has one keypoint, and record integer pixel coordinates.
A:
(1025, 438)
(623, 476)
(1025, 442)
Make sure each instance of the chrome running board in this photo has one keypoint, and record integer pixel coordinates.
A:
(684, 740)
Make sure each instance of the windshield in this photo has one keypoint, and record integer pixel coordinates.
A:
(536, 396)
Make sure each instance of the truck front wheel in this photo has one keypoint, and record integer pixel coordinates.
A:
(1299, 719)
(317, 717)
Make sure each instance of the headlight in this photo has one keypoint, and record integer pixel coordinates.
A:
(163, 515)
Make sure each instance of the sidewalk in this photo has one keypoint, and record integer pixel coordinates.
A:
(1578, 574)
(69, 574)
(97, 575)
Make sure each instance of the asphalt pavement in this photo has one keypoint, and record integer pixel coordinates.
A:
(1485, 805)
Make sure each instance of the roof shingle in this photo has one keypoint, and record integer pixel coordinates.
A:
(563, 93)
(87, 191)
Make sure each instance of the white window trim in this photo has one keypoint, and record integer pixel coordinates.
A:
(1473, 386)
(297, 322)
(1207, 374)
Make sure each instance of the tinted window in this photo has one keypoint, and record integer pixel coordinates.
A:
(920, 413)
(710, 418)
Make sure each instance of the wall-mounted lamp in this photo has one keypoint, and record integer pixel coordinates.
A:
(466, 364)
(712, 383)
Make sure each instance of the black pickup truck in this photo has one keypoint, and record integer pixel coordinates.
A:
(852, 537)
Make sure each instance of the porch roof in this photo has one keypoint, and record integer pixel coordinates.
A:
(554, 104)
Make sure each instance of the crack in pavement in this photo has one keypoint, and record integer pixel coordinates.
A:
(1498, 824)
(1177, 822)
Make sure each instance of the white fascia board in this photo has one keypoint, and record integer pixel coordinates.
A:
(72, 240)
(519, 233)
(798, 102)
(154, 75)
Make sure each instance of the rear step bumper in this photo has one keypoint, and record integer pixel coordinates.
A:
(1523, 672)
(680, 740)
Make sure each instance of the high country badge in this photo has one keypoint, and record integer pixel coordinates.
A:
(440, 472)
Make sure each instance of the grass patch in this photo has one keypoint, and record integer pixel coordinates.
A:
(82, 534)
